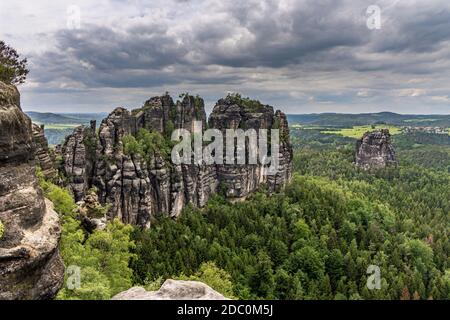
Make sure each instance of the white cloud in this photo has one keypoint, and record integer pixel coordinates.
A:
(414, 92)
(363, 94)
(440, 98)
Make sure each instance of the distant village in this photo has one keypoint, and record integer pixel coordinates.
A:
(434, 130)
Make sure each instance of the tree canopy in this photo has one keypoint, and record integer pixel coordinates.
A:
(13, 69)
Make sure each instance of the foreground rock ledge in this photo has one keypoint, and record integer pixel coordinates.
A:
(30, 264)
(173, 290)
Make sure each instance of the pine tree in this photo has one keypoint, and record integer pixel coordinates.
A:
(262, 280)
(405, 294)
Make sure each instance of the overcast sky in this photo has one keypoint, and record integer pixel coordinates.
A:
(301, 56)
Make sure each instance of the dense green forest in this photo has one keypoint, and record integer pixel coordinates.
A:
(314, 240)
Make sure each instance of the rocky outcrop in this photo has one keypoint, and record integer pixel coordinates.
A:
(91, 213)
(42, 153)
(30, 265)
(173, 290)
(375, 151)
(140, 187)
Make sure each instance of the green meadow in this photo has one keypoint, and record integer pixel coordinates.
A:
(358, 131)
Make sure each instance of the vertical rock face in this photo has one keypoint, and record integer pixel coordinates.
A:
(284, 174)
(375, 151)
(30, 265)
(121, 180)
(139, 188)
(241, 180)
(42, 153)
(78, 154)
(155, 114)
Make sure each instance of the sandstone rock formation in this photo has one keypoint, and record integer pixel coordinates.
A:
(30, 265)
(237, 113)
(173, 290)
(375, 151)
(139, 188)
(42, 153)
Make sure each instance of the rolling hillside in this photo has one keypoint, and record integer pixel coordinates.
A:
(345, 120)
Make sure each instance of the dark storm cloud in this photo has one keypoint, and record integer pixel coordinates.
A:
(248, 34)
(280, 38)
(416, 30)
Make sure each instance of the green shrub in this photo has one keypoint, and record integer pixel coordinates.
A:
(100, 210)
(102, 256)
(216, 278)
(2, 230)
(148, 144)
(131, 146)
(62, 199)
(248, 104)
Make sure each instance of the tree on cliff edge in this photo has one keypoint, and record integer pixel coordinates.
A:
(13, 70)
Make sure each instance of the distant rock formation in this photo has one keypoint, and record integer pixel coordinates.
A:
(30, 265)
(375, 151)
(138, 188)
(173, 290)
(42, 153)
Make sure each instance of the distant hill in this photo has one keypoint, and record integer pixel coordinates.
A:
(59, 125)
(345, 120)
(65, 118)
(51, 118)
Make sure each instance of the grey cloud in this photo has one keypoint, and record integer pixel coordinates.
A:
(265, 47)
(416, 29)
(148, 46)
